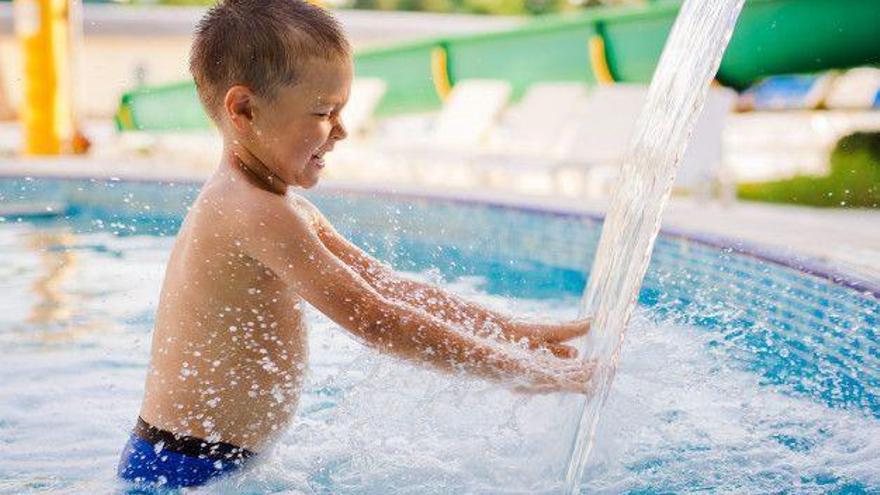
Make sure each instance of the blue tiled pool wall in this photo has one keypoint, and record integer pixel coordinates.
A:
(806, 334)
(802, 332)
(98, 205)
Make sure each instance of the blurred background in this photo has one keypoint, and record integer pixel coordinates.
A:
(803, 77)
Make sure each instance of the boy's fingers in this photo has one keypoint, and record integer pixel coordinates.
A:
(527, 390)
(568, 331)
(562, 351)
(558, 350)
(569, 377)
(547, 389)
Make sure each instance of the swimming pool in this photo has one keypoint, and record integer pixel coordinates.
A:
(739, 374)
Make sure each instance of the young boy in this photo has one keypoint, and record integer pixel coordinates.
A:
(229, 346)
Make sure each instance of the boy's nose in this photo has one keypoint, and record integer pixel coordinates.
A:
(339, 132)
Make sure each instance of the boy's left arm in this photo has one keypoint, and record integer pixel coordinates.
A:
(443, 304)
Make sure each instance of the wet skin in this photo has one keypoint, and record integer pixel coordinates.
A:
(229, 347)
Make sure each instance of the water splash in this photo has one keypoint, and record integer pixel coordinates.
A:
(676, 97)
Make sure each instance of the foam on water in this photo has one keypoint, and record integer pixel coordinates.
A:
(681, 417)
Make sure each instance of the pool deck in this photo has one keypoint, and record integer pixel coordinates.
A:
(836, 243)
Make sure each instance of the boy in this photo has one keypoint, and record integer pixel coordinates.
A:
(229, 346)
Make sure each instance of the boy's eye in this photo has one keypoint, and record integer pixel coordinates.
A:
(323, 114)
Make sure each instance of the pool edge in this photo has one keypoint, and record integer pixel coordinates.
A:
(806, 264)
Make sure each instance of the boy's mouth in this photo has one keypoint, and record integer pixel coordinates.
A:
(318, 160)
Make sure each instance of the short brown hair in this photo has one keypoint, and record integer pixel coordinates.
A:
(261, 44)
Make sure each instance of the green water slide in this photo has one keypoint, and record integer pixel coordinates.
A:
(598, 45)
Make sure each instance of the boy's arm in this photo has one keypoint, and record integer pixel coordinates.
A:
(441, 303)
(280, 236)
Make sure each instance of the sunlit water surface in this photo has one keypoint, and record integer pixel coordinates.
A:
(683, 416)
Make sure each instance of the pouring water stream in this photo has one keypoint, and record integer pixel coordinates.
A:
(678, 91)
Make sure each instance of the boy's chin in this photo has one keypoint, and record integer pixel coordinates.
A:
(306, 178)
(309, 182)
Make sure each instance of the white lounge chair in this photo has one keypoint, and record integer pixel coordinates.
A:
(788, 92)
(701, 168)
(854, 89)
(607, 123)
(470, 112)
(462, 124)
(358, 117)
(531, 137)
(602, 145)
(439, 152)
(589, 130)
(593, 147)
(430, 149)
(366, 93)
(537, 124)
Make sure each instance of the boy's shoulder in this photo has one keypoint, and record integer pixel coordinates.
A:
(303, 205)
(247, 208)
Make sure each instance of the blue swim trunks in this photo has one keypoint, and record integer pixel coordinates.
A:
(160, 458)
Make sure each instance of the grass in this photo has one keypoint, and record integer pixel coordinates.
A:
(854, 181)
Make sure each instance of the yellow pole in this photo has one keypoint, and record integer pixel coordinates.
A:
(43, 30)
(440, 72)
(599, 60)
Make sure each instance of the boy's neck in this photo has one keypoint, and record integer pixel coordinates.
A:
(252, 168)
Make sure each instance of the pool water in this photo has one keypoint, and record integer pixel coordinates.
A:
(738, 375)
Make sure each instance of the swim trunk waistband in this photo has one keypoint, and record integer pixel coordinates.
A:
(190, 446)
(157, 457)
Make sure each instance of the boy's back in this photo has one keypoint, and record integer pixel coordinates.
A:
(229, 346)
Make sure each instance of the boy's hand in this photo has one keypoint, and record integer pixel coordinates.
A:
(559, 375)
(551, 336)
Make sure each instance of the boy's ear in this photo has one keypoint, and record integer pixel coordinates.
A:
(239, 107)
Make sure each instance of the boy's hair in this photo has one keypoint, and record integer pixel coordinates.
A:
(261, 44)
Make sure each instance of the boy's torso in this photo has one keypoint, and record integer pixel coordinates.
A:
(229, 347)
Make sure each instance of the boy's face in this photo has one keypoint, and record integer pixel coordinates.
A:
(294, 130)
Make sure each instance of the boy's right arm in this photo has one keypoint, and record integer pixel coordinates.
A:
(283, 238)
(443, 304)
